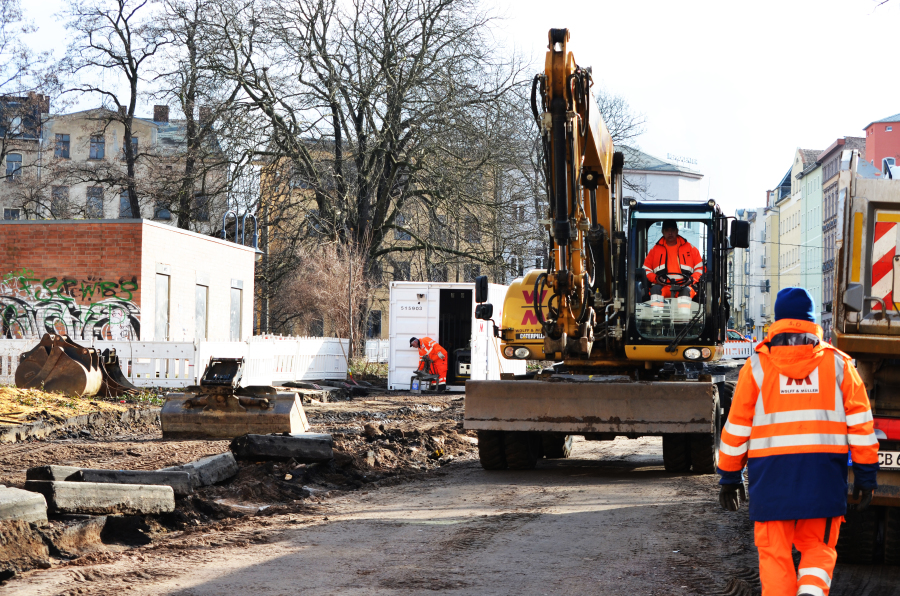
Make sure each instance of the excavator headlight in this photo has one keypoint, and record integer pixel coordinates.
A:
(692, 354)
(706, 353)
(711, 203)
(522, 353)
(508, 351)
(632, 202)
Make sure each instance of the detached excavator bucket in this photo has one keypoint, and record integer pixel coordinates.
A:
(59, 364)
(219, 408)
(114, 381)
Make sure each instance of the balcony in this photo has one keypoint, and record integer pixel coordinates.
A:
(828, 266)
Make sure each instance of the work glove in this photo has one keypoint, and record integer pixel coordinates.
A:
(731, 496)
(864, 495)
(441, 356)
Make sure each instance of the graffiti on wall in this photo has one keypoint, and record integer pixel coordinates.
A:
(90, 308)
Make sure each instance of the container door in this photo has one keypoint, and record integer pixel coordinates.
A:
(409, 318)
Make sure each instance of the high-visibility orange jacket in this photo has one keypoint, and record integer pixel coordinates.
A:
(799, 406)
(680, 262)
(437, 355)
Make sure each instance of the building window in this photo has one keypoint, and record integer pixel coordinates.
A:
(94, 207)
(124, 206)
(472, 230)
(134, 147)
(401, 271)
(400, 221)
(201, 208)
(235, 314)
(201, 299)
(13, 167)
(373, 328)
(62, 147)
(162, 308)
(11, 214)
(317, 328)
(470, 272)
(160, 211)
(98, 147)
(437, 273)
(59, 202)
(888, 128)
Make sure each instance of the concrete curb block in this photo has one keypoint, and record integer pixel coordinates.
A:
(42, 429)
(99, 498)
(304, 448)
(208, 470)
(18, 504)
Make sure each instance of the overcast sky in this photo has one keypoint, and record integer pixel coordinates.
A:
(738, 86)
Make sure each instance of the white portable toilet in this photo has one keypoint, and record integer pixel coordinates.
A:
(445, 312)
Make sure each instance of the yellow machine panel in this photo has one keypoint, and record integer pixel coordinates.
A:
(520, 325)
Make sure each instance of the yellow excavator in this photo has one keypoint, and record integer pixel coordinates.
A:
(625, 360)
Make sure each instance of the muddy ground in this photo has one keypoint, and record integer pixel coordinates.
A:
(406, 509)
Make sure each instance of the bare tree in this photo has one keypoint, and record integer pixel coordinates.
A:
(113, 38)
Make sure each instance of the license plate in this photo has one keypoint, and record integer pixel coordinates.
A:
(889, 459)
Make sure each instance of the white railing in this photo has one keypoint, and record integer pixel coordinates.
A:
(269, 360)
(736, 350)
(377, 350)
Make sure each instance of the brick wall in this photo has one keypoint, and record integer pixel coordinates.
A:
(98, 278)
(78, 278)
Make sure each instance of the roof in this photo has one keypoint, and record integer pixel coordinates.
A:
(638, 161)
(894, 118)
(809, 156)
(858, 143)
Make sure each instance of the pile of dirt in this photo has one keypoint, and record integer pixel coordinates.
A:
(20, 406)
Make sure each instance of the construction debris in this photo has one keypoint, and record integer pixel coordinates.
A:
(53, 473)
(21, 548)
(19, 504)
(303, 448)
(208, 470)
(96, 498)
(219, 408)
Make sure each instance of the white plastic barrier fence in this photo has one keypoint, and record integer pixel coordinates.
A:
(377, 350)
(737, 350)
(268, 359)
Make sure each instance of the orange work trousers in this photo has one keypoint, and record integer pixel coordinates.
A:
(439, 368)
(814, 538)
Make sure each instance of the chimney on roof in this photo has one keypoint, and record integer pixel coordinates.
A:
(123, 111)
(161, 114)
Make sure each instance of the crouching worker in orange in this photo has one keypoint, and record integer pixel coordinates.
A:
(799, 406)
(438, 356)
(673, 260)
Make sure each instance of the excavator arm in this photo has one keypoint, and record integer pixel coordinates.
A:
(583, 178)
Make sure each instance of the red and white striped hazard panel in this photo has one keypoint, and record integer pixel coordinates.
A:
(883, 252)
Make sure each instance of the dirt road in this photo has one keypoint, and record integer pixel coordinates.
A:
(607, 521)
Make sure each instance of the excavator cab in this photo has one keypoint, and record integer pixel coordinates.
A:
(670, 313)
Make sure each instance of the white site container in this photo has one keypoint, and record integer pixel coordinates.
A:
(442, 311)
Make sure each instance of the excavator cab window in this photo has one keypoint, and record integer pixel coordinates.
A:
(670, 280)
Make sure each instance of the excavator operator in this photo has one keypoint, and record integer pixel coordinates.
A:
(673, 264)
(436, 355)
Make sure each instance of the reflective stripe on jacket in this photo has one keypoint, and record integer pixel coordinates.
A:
(690, 263)
(798, 408)
(432, 349)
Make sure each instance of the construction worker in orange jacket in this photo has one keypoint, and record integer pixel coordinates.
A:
(438, 356)
(799, 406)
(674, 259)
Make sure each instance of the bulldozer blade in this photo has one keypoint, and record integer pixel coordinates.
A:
(591, 407)
(284, 415)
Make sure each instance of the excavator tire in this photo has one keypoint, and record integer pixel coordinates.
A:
(705, 447)
(892, 536)
(521, 449)
(556, 446)
(677, 453)
(490, 450)
(859, 536)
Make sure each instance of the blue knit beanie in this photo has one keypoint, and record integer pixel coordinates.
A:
(794, 303)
